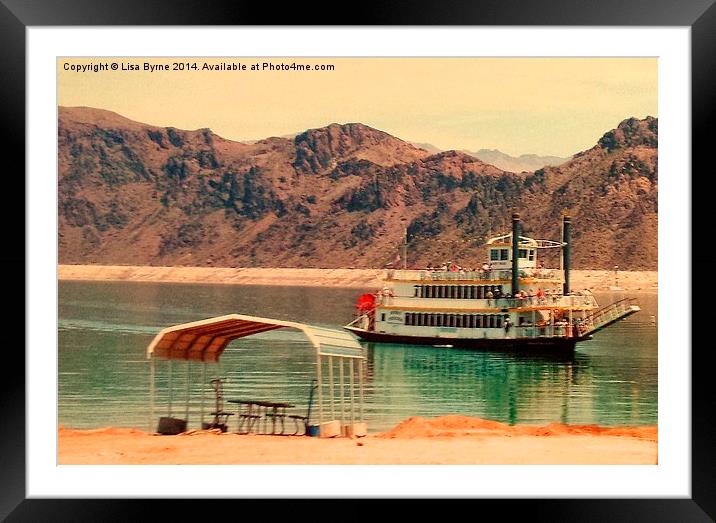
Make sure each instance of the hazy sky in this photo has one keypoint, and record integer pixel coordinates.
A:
(555, 106)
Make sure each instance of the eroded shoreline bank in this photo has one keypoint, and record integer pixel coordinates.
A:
(596, 280)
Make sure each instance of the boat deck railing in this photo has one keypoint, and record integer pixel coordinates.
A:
(549, 301)
(480, 275)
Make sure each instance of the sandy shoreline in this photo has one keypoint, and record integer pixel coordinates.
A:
(443, 440)
(596, 280)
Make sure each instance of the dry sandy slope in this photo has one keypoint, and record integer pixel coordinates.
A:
(357, 278)
(444, 440)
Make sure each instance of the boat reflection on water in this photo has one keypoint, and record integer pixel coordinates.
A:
(510, 387)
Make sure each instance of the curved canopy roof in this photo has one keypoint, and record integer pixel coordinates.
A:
(206, 340)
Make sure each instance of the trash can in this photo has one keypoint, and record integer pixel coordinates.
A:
(313, 431)
(171, 426)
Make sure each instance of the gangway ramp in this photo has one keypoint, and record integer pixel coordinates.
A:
(605, 316)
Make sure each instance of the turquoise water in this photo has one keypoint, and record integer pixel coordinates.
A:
(104, 329)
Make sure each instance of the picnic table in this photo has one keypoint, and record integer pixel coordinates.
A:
(250, 414)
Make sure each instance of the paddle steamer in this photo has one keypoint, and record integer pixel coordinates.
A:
(510, 302)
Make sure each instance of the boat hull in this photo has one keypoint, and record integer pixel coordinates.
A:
(555, 344)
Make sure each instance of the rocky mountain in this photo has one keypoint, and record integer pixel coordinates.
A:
(337, 196)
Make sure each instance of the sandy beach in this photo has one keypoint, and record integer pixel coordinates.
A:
(444, 440)
(596, 280)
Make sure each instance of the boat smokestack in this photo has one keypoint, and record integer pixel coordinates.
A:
(566, 248)
(515, 252)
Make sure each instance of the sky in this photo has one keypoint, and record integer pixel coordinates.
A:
(546, 106)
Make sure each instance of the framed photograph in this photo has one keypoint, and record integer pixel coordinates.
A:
(410, 130)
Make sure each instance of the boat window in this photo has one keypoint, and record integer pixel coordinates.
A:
(523, 253)
(417, 291)
(439, 320)
(494, 254)
(498, 321)
(532, 255)
(382, 317)
(431, 320)
(504, 254)
(453, 290)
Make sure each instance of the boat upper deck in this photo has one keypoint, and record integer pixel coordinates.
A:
(476, 276)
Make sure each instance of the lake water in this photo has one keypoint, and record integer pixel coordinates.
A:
(104, 330)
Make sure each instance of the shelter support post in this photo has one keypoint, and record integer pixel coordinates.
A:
(331, 387)
(203, 390)
(341, 386)
(360, 387)
(319, 375)
(351, 368)
(151, 393)
(188, 382)
(170, 390)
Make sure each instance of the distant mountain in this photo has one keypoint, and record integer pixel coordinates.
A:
(524, 162)
(428, 147)
(336, 196)
(516, 164)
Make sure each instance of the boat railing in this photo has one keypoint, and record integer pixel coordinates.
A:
(486, 275)
(611, 313)
(556, 301)
(544, 330)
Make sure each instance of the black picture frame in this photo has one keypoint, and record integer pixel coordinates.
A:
(17, 15)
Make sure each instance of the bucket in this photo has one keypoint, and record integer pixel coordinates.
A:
(313, 431)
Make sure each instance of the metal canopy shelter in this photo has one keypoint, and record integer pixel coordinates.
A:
(205, 340)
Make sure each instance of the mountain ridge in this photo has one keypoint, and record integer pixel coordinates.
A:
(336, 196)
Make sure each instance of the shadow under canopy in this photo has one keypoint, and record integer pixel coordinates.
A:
(205, 341)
